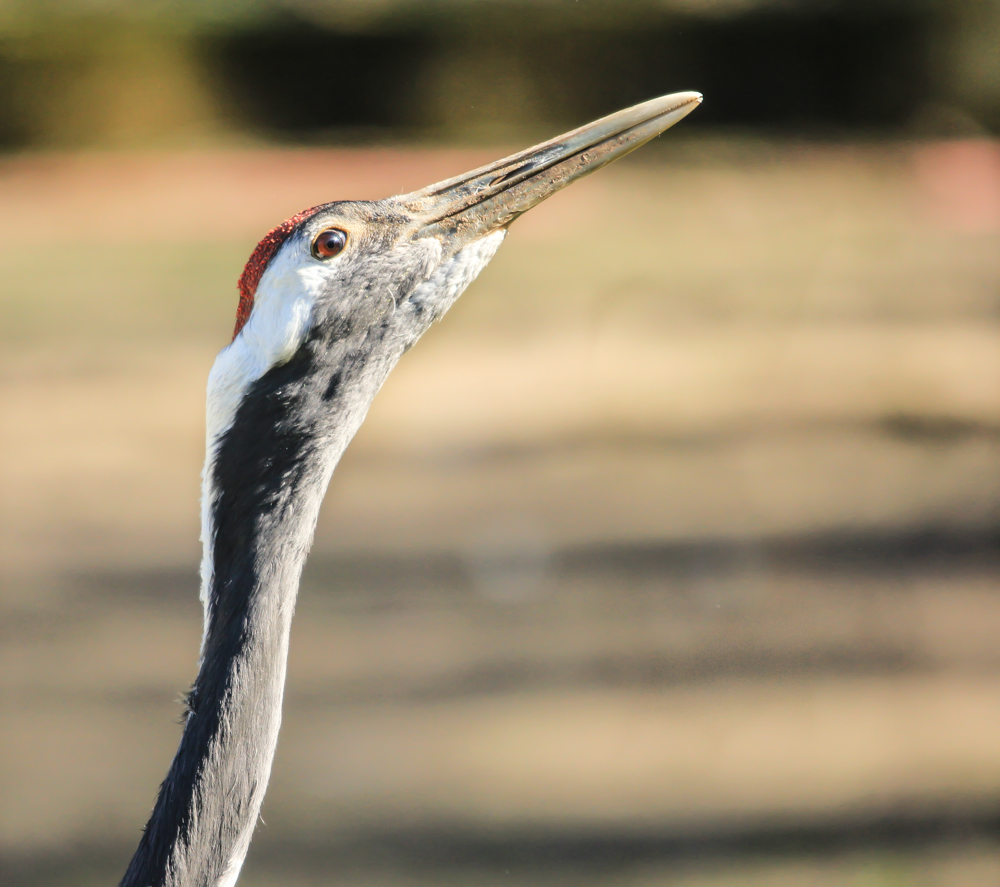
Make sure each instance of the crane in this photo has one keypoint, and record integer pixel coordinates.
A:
(329, 302)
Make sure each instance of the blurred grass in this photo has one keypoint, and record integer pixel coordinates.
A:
(784, 236)
(68, 292)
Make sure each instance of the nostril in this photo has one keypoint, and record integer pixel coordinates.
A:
(527, 167)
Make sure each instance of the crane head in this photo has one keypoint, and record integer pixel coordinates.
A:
(354, 261)
(349, 286)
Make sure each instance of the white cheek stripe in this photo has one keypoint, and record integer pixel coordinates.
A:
(283, 306)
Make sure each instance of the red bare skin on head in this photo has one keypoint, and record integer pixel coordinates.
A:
(258, 262)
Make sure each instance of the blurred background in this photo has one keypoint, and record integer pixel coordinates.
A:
(670, 557)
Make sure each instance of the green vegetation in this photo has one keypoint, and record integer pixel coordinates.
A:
(179, 73)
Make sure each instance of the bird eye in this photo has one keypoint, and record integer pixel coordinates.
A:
(328, 243)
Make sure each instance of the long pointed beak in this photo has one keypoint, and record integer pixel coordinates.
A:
(472, 205)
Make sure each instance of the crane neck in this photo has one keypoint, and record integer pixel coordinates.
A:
(265, 478)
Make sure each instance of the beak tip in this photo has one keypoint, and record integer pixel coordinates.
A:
(687, 98)
(673, 108)
(669, 109)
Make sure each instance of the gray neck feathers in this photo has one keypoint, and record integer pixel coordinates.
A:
(269, 476)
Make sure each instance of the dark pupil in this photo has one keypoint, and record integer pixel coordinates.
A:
(331, 241)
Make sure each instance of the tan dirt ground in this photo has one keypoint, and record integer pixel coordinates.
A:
(641, 537)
